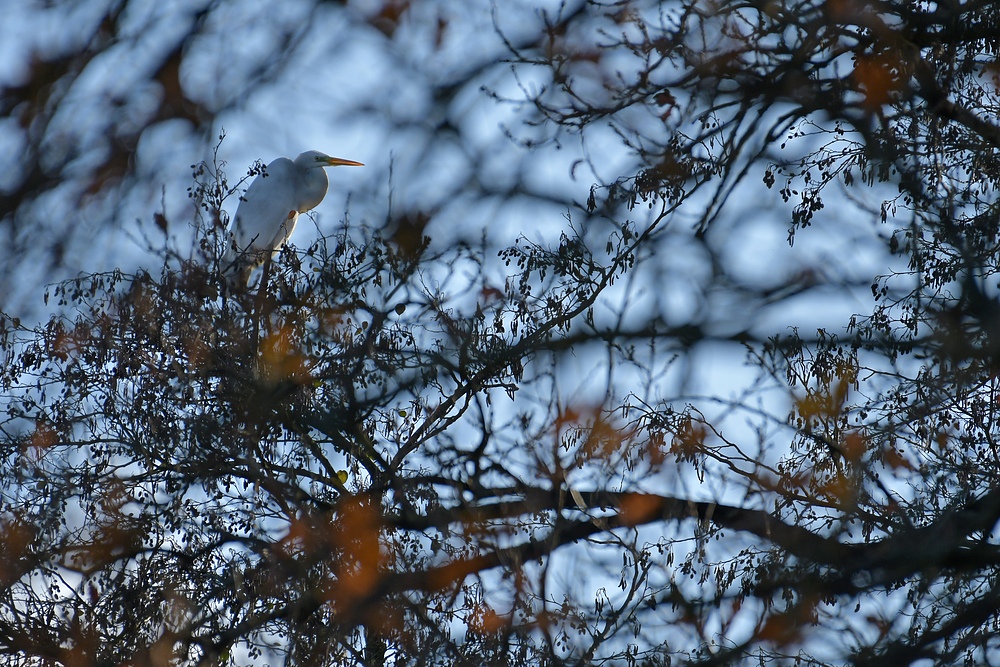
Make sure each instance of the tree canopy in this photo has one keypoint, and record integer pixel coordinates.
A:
(726, 395)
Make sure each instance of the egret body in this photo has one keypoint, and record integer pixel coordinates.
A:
(271, 206)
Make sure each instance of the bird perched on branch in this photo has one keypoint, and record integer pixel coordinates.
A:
(271, 206)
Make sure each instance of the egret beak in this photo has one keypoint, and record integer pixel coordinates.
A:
(338, 162)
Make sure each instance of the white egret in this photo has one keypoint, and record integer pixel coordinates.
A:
(270, 208)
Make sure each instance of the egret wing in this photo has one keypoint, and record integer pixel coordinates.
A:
(263, 219)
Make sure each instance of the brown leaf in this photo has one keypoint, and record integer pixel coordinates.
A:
(638, 508)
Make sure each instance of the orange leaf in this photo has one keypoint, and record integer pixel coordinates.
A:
(637, 508)
(880, 78)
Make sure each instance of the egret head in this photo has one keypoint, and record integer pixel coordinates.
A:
(316, 159)
(310, 182)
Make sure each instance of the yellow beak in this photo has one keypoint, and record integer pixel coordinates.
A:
(339, 162)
